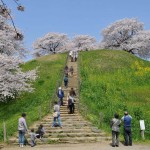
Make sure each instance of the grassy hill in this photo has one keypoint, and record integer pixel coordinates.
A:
(49, 73)
(115, 81)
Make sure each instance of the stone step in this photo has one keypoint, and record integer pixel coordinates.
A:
(68, 88)
(62, 135)
(65, 127)
(83, 139)
(51, 140)
(1, 146)
(64, 118)
(74, 120)
(67, 117)
(67, 130)
(66, 124)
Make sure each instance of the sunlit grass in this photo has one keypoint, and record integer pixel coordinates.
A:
(49, 72)
(115, 81)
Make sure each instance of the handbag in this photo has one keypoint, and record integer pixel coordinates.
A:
(55, 114)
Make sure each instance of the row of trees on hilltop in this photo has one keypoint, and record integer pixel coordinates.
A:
(12, 79)
(126, 34)
(53, 43)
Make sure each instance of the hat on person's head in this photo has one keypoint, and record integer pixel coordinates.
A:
(59, 88)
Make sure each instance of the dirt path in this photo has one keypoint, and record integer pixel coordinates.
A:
(85, 146)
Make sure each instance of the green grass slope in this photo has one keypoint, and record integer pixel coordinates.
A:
(49, 73)
(115, 81)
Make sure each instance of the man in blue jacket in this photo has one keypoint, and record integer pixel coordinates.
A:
(127, 128)
(60, 95)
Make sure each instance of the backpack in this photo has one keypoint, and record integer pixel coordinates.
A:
(65, 79)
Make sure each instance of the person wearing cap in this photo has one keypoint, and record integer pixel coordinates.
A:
(60, 95)
(127, 128)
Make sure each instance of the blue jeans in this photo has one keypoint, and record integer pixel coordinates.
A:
(58, 119)
(21, 137)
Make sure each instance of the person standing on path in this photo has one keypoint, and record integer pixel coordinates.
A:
(56, 115)
(66, 81)
(127, 128)
(71, 71)
(115, 125)
(76, 56)
(66, 70)
(22, 128)
(60, 95)
(71, 100)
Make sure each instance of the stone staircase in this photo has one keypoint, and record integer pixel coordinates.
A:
(75, 129)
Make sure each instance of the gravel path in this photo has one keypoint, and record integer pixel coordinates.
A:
(85, 146)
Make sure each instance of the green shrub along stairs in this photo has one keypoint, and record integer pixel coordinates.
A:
(75, 129)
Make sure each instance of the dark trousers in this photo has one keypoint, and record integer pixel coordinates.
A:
(60, 102)
(71, 59)
(115, 138)
(71, 108)
(65, 83)
(127, 135)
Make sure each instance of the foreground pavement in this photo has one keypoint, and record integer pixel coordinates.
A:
(86, 146)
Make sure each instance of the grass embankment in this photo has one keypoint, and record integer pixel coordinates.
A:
(49, 72)
(115, 81)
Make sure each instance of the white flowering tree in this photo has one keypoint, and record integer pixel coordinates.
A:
(9, 42)
(84, 42)
(51, 43)
(12, 79)
(119, 32)
(139, 44)
(128, 35)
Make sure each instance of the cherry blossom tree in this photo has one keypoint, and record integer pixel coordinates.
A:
(84, 42)
(12, 79)
(10, 37)
(119, 32)
(9, 44)
(128, 35)
(51, 43)
(139, 44)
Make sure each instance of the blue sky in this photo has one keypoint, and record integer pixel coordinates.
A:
(75, 16)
